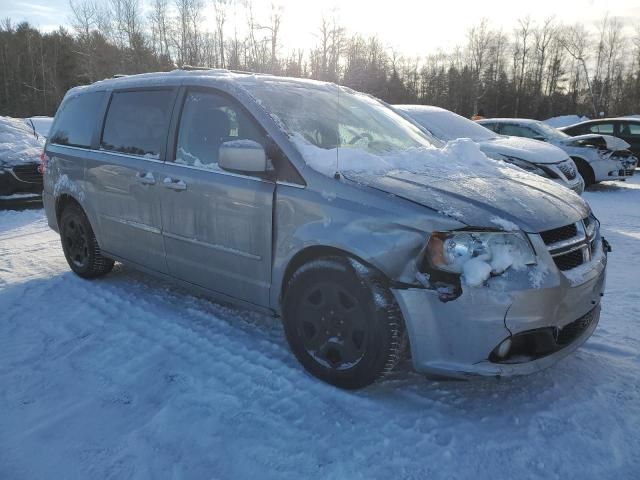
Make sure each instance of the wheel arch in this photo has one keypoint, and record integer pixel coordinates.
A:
(584, 166)
(315, 252)
(64, 200)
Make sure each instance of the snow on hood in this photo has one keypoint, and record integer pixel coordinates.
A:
(597, 140)
(18, 144)
(524, 148)
(457, 180)
(527, 201)
(455, 159)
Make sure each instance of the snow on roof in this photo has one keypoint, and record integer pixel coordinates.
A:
(565, 120)
(420, 108)
(18, 144)
(523, 121)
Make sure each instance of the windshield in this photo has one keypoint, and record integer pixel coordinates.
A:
(551, 132)
(337, 130)
(328, 116)
(447, 125)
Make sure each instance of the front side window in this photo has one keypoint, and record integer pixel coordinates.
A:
(208, 120)
(76, 120)
(137, 122)
(605, 128)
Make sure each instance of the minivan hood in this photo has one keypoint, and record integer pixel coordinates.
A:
(597, 140)
(531, 202)
(526, 149)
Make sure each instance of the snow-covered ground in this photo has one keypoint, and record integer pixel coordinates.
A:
(128, 377)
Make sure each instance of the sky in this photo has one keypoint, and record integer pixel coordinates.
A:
(412, 28)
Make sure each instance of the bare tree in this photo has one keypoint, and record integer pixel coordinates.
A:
(521, 52)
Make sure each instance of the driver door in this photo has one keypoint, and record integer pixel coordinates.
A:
(217, 225)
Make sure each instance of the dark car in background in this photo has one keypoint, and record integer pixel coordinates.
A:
(20, 151)
(626, 128)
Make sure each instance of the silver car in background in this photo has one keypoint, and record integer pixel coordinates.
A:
(325, 207)
(598, 157)
(536, 157)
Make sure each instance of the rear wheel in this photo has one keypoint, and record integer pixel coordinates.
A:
(342, 323)
(80, 246)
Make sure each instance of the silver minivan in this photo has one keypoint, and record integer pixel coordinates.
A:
(322, 206)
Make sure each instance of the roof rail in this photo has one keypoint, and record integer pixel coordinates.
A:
(119, 75)
(191, 67)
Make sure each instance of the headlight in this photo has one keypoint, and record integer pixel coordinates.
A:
(530, 167)
(523, 164)
(479, 254)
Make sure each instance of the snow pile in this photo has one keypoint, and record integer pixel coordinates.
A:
(564, 120)
(456, 158)
(18, 144)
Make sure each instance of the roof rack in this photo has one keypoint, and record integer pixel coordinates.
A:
(191, 67)
(119, 75)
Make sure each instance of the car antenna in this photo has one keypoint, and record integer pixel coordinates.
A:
(337, 174)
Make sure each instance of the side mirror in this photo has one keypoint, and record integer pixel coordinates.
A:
(242, 156)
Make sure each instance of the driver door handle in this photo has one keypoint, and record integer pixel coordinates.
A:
(174, 184)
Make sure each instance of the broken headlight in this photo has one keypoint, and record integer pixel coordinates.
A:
(457, 251)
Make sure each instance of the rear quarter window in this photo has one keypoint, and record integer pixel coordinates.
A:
(137, 122)
(76, 120)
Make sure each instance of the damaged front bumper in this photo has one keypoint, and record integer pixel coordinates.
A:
(621, 165)
(460, 338)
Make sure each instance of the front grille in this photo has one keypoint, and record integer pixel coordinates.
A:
(28, 173)
(559, 234)
(572, 245)
(573, 330)
(569, 260)
(568, 169)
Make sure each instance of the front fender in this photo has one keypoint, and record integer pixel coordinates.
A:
(389, 236)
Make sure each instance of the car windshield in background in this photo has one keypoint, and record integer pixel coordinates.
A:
(551, 132)
(329, 117)
(449, 126)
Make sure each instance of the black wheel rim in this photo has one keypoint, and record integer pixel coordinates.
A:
(333, 326)
(76, 242)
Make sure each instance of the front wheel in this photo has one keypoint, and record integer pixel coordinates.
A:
(80, 246)
(586, 172)
(342, 322)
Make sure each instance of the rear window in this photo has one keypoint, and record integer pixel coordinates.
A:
(137, 122)
(76, 119)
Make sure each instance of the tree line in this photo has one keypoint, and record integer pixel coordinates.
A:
(537, 70)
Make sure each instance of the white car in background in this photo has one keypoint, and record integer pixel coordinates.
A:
(598, 157)
(533, 156)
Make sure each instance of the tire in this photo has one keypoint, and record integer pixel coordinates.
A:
(80, 246)
(585, 171)
(342, 322)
